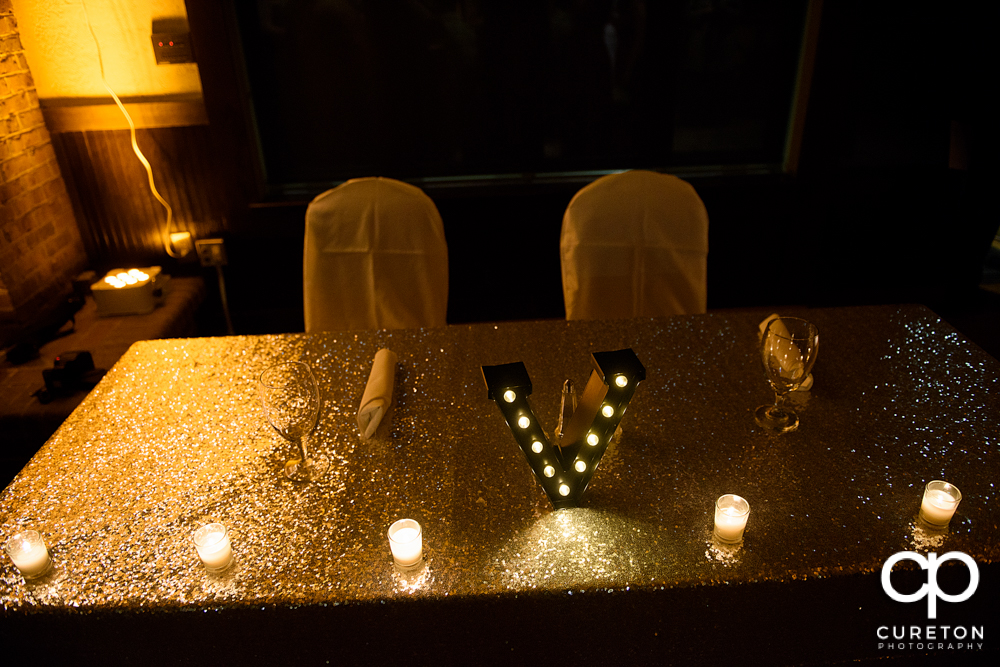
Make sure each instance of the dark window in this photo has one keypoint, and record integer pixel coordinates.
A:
(424, 89)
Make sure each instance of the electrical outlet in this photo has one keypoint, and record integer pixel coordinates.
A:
(211, 252)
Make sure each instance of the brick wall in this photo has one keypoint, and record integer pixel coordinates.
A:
(40, 245)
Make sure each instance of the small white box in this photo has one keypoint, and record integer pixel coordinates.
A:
(126, 292)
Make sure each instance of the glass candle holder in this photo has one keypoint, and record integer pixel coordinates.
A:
(939, 503)
(406, 542)
(28, 552)
(731, 512)
(214, 547)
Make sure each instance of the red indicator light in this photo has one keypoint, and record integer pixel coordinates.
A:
(171, 43)
(161, 43)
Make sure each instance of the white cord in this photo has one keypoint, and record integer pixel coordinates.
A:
(165, 236)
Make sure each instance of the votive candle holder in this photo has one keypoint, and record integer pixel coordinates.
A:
(731, 512)
(939, 503)
(28, 552)
(406, 543)
(213, 546)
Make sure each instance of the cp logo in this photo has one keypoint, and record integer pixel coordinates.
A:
(930, 589)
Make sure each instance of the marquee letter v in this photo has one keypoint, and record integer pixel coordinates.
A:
(564, 472)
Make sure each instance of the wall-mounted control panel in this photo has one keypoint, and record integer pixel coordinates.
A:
(172, 41)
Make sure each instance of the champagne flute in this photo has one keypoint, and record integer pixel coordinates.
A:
(290, 396)
(788, 349)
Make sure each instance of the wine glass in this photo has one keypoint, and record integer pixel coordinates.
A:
(788, 349)
(290, 396)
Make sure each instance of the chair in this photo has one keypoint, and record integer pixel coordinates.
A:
(634, 244)
(375, 257)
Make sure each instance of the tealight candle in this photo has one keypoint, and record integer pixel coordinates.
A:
(27, 550)
(939, 503)
(214, 547)
(406, 542)
(731, 512)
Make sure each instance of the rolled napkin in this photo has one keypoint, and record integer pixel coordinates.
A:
(378, 392)
(808, 382)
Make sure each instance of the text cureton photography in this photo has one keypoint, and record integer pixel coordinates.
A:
(931, 637)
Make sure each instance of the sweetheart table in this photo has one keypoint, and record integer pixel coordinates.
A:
(174, 437)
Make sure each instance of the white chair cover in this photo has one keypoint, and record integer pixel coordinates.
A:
(375, 257)
(634, 244)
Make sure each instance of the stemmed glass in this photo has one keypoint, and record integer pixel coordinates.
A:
(290, 396)
(788, 349)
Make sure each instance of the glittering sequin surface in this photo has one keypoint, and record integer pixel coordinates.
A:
(174, 437)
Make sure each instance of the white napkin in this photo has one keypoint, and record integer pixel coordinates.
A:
(378, 392)
(808, 382)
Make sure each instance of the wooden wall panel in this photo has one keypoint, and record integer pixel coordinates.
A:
(120, 220)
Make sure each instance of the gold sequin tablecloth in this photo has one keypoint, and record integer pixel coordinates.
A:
(174, 436)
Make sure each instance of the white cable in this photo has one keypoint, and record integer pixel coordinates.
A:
(165, 236)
